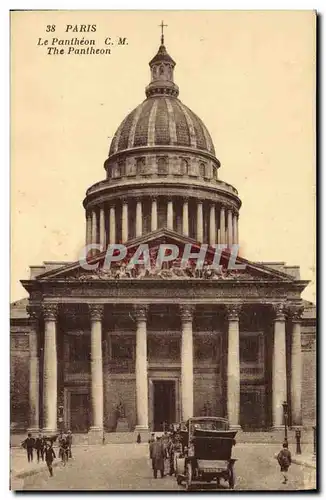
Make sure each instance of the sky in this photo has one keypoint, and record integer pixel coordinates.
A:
(250, 76)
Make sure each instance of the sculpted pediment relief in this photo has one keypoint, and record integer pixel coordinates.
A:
(175, 269)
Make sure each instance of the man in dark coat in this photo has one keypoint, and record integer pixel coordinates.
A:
(69, 441)
(39, 447)
(158, 456)
(49, 456)
(284, 459)
(28, 444)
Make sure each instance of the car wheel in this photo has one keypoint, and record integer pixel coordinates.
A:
(231, 478)
(188, 476)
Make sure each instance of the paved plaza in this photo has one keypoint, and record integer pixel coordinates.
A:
(127, 467)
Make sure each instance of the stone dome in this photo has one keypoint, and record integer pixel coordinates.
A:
(162, 120)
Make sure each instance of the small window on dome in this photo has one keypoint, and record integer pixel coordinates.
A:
(162, 70)
(184, 167)
(162, 166)
(122, 168)
(215, 173)
(141, 166)
(116, 173)
(202, 170)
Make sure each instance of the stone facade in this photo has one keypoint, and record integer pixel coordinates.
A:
(149, 346)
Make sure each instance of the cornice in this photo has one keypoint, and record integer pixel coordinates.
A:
(176, 187)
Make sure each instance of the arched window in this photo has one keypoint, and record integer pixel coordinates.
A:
(202, 170)
(162, 166)
(115, 173)
(122, 168)
(184, 167)
(140, 166)
(161, 69)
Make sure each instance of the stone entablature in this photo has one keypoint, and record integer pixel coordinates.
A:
(201, 187)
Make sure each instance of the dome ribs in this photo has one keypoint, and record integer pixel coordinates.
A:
(182, 129)
(132, 134)
(115, 141)
(201, 141)
(192, 133)
(161, 121)
(172, 127)
(209, 142)
(141, 131)
(162, 131)
(125, 131)
(151, 125)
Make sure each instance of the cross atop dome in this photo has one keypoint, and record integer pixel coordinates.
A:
(162, 26)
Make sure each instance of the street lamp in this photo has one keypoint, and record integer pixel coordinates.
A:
(285, 414)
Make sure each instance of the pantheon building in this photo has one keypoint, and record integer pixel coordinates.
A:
(89, 346)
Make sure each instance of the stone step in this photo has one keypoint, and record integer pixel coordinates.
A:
(275, 436)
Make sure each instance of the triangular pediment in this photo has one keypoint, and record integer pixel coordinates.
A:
(173, 270)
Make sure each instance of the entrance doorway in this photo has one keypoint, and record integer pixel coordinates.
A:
(79, 412)
(252, 409)
(164, 403)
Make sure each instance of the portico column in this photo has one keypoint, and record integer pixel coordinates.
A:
(33, 372)
(139, 218)
(230, 228)
(102, 229)
(235, 229)
(141, 369)
(222, 225)
(124, 221)
(212, 225)
(88, 228)
(296, 366)
(233, 366)
(154, 215)
(94, 227)
(200, 229)
(279, 366)
(185, 217)
(50, 395)
(170, 214)
(112, 224)
(96, 313)
(187, 371)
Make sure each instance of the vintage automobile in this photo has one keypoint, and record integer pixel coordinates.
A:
(206, 444)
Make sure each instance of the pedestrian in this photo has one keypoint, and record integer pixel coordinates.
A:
(158, 456)
(63, 448)
(69, 441)
(49, 456)
(139, 438)
(28, 444)
(284, 459)
(170, 452)
(39, 447)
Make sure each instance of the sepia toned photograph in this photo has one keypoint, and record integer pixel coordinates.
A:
(163, 251)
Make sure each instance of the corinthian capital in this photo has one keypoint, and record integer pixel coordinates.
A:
(50, 312)
(233, 312)
(96, 312)
(279, 311)
(295, 312)
(141, 312)
(186, 312)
